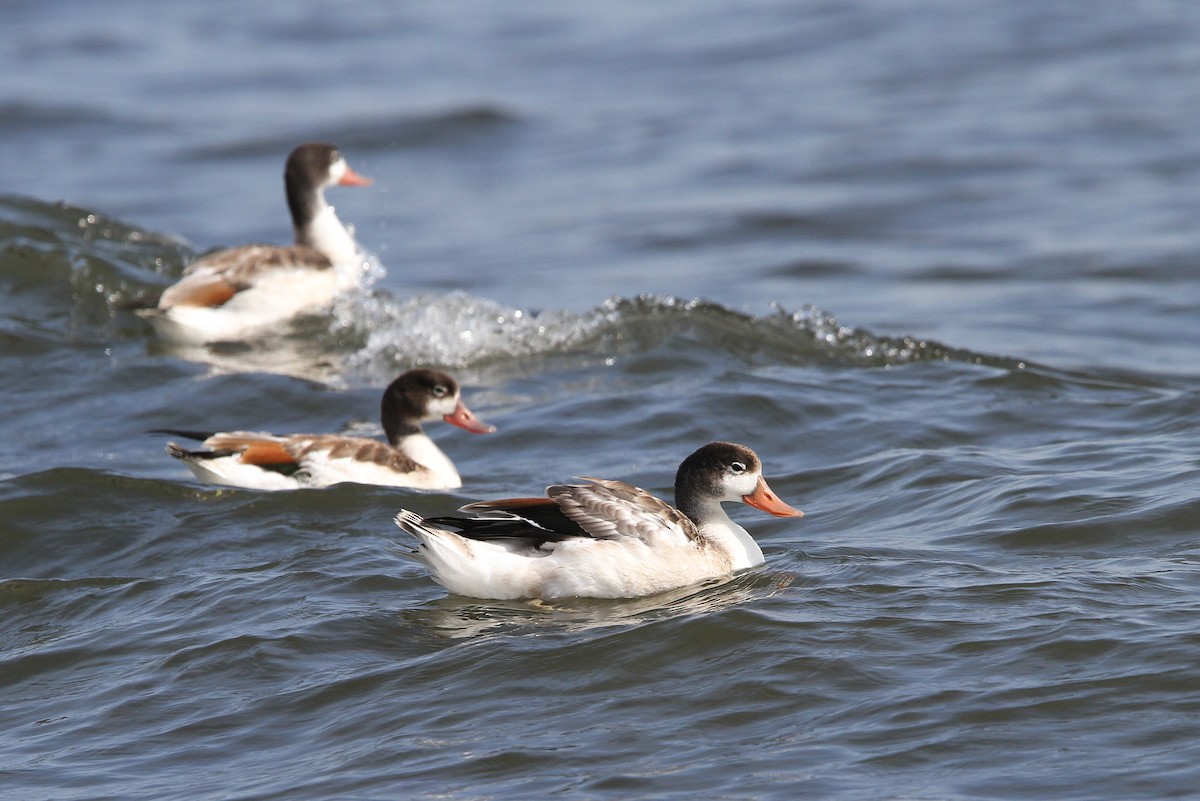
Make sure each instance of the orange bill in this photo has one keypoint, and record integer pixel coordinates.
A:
(763, 498)
(464, 418)
(351, 178)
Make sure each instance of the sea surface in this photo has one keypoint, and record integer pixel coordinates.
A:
(938, 262)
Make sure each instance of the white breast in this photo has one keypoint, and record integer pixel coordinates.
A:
(327, 234)
(424, 451)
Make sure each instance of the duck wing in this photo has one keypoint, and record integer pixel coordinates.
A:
(260, 449)
(602, 509)
(535, 520)
(215, 279)
(608, 509)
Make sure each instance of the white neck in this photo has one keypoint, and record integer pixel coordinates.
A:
(721, 529)
(422, 450)
(326, 234)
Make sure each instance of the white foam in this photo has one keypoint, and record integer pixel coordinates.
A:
(454, 330)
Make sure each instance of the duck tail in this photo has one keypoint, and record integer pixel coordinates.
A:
(414, 524)
(430, 539)
(445, 554)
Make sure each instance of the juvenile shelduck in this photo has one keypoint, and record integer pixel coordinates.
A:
(232, 294)
(602, 539)
(409, 458)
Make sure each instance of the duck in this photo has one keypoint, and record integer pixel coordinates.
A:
(234, 294)
(409, 458)
(603, 538)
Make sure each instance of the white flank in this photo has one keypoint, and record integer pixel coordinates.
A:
(278, 295)
(229, 471)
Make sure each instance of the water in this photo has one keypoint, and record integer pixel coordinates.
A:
(937, 262)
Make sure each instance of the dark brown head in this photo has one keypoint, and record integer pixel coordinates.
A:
(424, 394)
(725, 471)
(309, 169)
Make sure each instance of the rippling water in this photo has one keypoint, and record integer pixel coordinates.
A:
(937, 262)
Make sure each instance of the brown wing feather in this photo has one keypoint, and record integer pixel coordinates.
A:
(198, 289)
(359, 449)
(613, 509)
(267, 453)
(515, 505)
(213, 279)
(254, 447)
(268, 449)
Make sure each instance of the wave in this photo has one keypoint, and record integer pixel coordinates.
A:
(460, 330)
(106, 266)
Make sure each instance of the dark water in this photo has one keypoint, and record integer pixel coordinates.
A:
(937, 262)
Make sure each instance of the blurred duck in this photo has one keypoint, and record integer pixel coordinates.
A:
(231, 294)
(409, 458)
(602, 539)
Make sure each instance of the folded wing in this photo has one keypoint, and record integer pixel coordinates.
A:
(608, 509)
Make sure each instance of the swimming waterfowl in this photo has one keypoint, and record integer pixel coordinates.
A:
(602, 539)
(231, 294)
(409, 458)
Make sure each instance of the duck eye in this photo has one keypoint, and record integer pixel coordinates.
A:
(737, 468)
(439, 391)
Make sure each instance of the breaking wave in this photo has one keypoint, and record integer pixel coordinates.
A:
(460, 330)
(88, 271)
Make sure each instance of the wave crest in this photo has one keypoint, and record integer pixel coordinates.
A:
(459, 330)
(112, 266)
